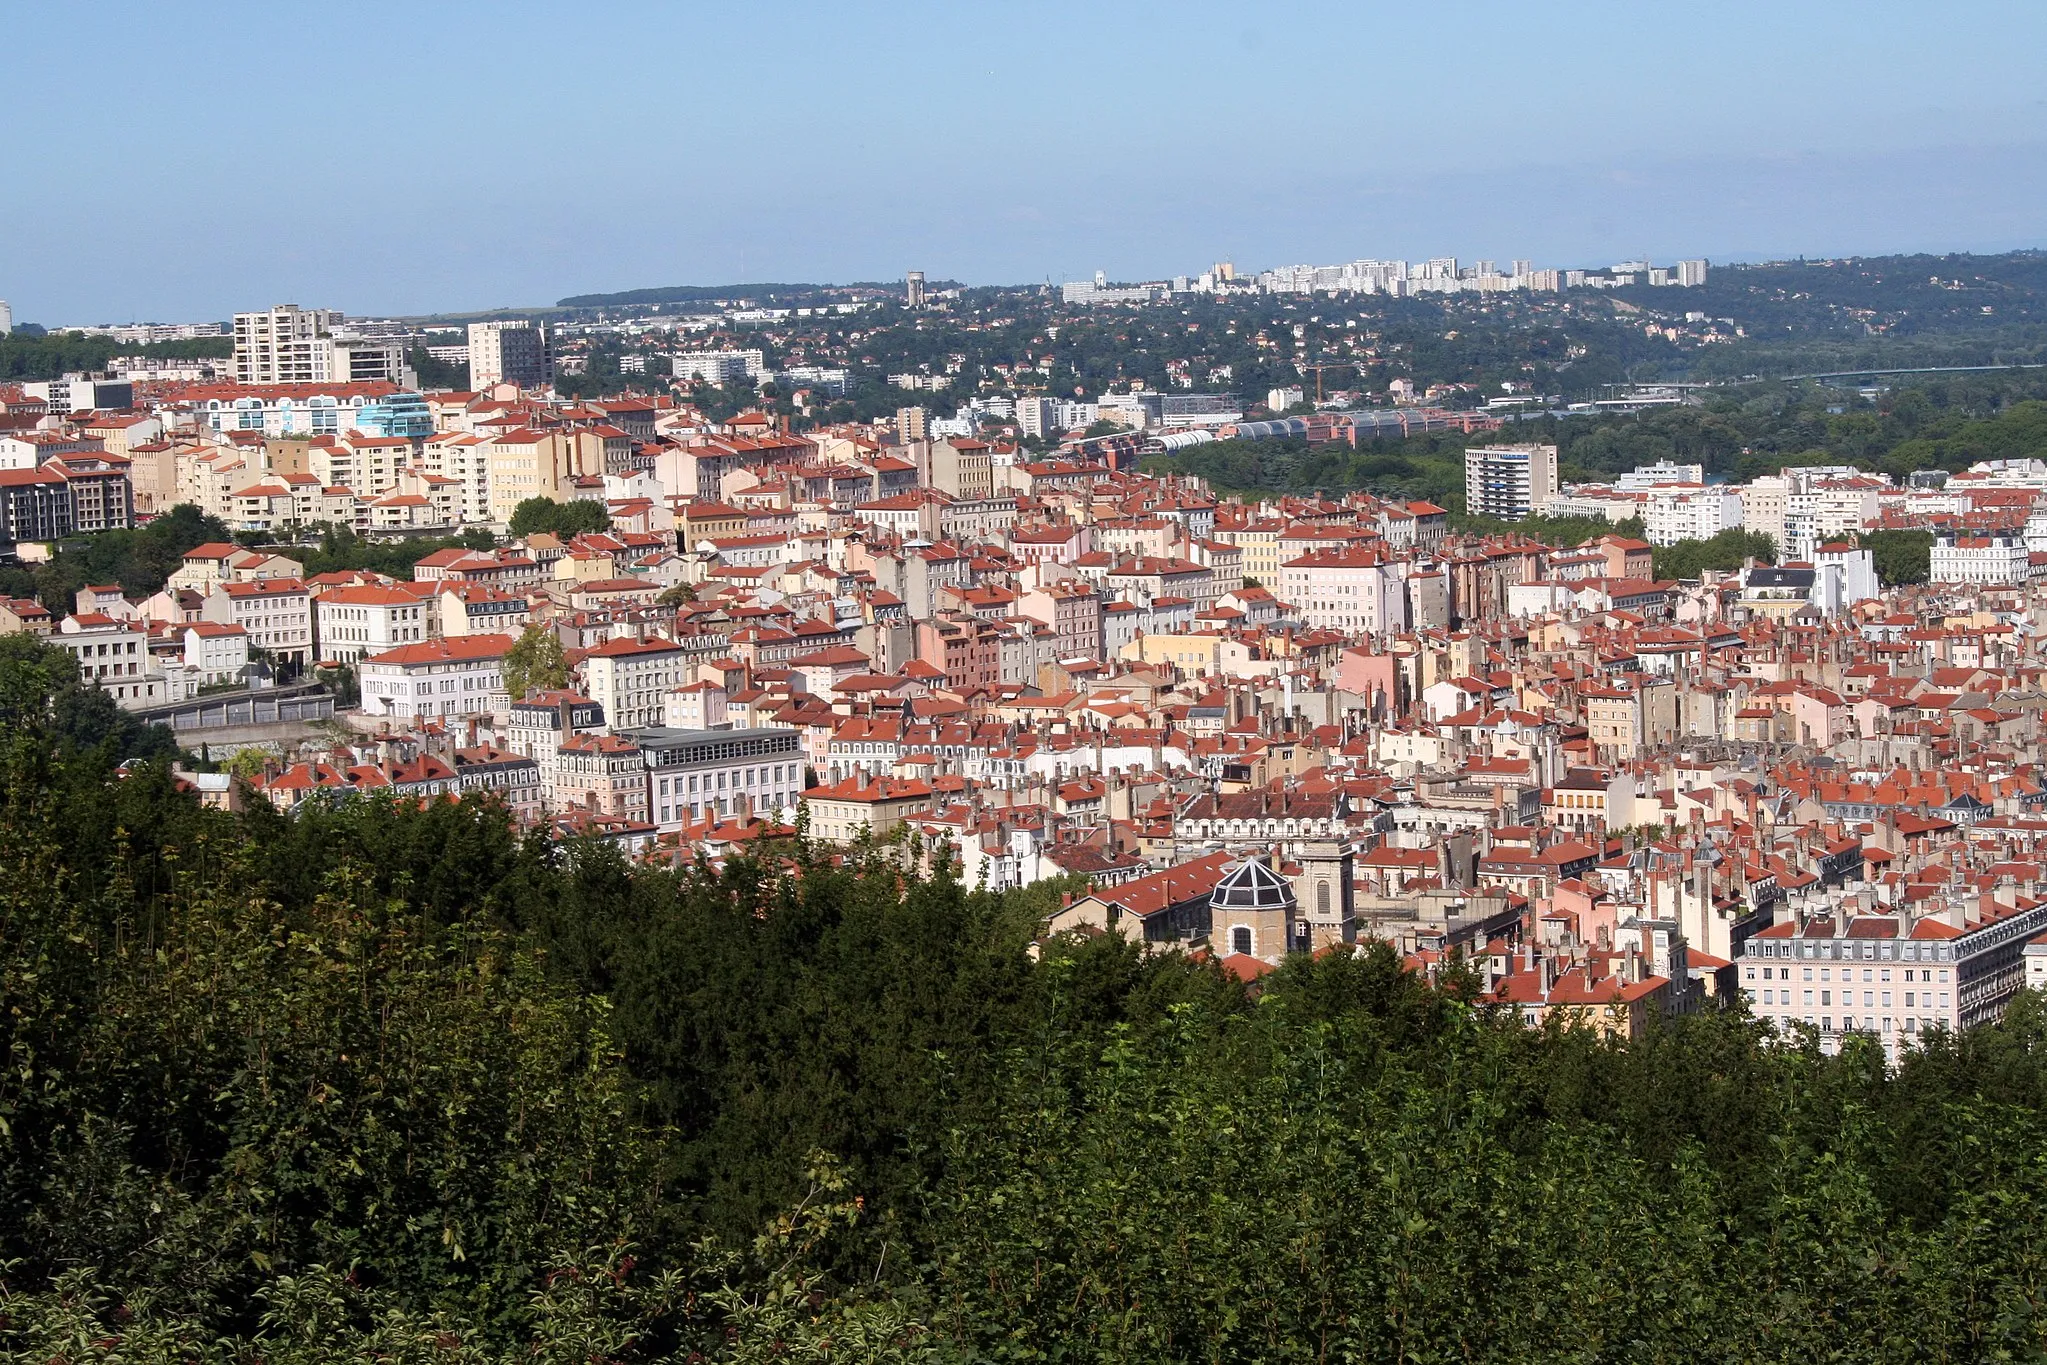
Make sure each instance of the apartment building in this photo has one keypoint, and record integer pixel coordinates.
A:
(1764, 502)
(112, 655)
(35, 504)
(216, 653)
(720, 367)
(1893, 976)
(1353, 590)
(478, 609)
(277, 613)
(511, 352)
(285, 344)
(1689, 511)
(464, 458)
(541, 721)
(843, 811)
(370, 619)
(695, 775)
(631, 678)
(1509, 482)
(437, 678)
(960, 466)
(601, 773)
(1984, 560)
(524, 464)
(1259, 539)
(1073, 610)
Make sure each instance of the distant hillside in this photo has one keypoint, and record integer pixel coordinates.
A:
(696, 293)
(1889, 293)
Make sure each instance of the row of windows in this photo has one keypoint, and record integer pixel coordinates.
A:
(1868, 1023)
(425, 687)
(345, 613)
(740, 778)
(1848, 973)
(1911, 952)
(1774, 996)
(722, 805)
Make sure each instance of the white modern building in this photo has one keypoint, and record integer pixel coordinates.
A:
(437, 678)
(698, 774)
(510, 352)
(112, 655)
(720, 367)
(1689, 511)
(216, 653)
(1509, 482)
(286, 344)
(1856, 567)
(1659, 475)
(2001, 560)
(370, 619)
(1037, 415)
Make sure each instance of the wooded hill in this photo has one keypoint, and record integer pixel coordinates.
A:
(382, 1082)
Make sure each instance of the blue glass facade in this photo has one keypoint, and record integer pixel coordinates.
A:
(402, 414)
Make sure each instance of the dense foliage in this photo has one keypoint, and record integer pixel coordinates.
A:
(329, 548)
(1734, 435)
(387, 1082)
(563, 519)
(1901, 557)
(51, 355)
(536, 662)
(434, 373)
(1731, 549)
(139, 560)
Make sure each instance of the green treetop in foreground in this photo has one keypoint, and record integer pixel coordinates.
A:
(383, 1081)
(562, 519)
(536, 662)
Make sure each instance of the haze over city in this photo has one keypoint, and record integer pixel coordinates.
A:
(656, 144)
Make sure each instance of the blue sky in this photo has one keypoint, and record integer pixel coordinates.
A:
(171, 162)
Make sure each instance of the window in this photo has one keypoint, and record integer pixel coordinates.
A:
(1240, 939)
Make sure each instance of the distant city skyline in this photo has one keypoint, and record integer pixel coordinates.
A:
(1002, 146)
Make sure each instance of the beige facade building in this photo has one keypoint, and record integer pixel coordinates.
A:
(838, 813)
(513, 352)
(962, 467)
(531, 464)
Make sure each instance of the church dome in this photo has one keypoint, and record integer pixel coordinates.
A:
(1252, 885)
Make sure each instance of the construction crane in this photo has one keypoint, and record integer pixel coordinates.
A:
(1319, 366)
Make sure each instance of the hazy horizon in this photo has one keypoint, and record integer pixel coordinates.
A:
(463, 158)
